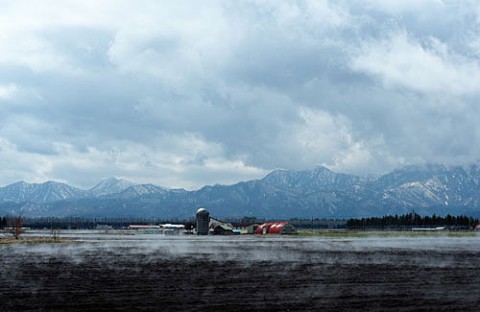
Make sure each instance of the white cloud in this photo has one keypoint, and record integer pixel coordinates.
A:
(7, 91)
(324, 139)
(189, 93)
(402, 6)
(186, 161)
(177, 44)
(309, 14)
(400, 61)
(22, 166)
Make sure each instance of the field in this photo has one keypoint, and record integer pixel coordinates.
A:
(271, 273)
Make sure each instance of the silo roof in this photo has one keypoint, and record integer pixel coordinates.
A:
(201, 210)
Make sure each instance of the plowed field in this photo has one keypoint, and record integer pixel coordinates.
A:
(242, 273)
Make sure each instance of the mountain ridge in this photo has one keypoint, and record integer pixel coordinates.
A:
(319, 193)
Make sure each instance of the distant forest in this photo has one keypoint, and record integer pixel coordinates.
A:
(88, 223)
(396, 222)
(411, 220)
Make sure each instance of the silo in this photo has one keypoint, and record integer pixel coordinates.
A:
(203, 221)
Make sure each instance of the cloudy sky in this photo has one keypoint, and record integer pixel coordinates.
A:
(189, 93)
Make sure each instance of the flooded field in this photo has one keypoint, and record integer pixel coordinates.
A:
(153, 272)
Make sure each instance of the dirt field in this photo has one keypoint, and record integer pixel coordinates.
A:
(241, 274)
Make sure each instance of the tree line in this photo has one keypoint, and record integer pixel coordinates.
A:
(3, 222)
(64, 223)
(410, 220)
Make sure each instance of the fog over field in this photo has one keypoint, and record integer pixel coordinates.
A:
(242, 273)
(245, 248)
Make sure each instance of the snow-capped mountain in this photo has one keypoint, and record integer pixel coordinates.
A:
(432, 186)
(16, 192)
(39, 193)
(141, 190)
(306, 181)
(317, 193)
(110, 186)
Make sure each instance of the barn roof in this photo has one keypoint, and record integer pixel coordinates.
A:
(272, 227)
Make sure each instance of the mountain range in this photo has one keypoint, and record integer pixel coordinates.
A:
(316, 193)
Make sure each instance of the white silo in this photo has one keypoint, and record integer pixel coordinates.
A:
(202, 221)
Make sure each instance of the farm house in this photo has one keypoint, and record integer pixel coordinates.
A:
(276, 228)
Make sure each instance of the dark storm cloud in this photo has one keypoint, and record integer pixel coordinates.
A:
(191, 93)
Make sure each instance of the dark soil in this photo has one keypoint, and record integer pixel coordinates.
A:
(304, 278)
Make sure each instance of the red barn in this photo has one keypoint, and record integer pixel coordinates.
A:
(276, 228)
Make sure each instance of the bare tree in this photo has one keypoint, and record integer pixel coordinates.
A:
(15, 225)
(55, 234)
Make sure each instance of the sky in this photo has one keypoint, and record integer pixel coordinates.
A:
(184, 94)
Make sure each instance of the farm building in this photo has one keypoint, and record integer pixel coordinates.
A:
(206, 225)
(222, 229)
(167, 229)
(276, 228)
(250, 229)
(218, 227)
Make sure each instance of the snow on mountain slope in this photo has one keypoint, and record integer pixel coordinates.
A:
(110, 186)
(39, 193)
(283, 193)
